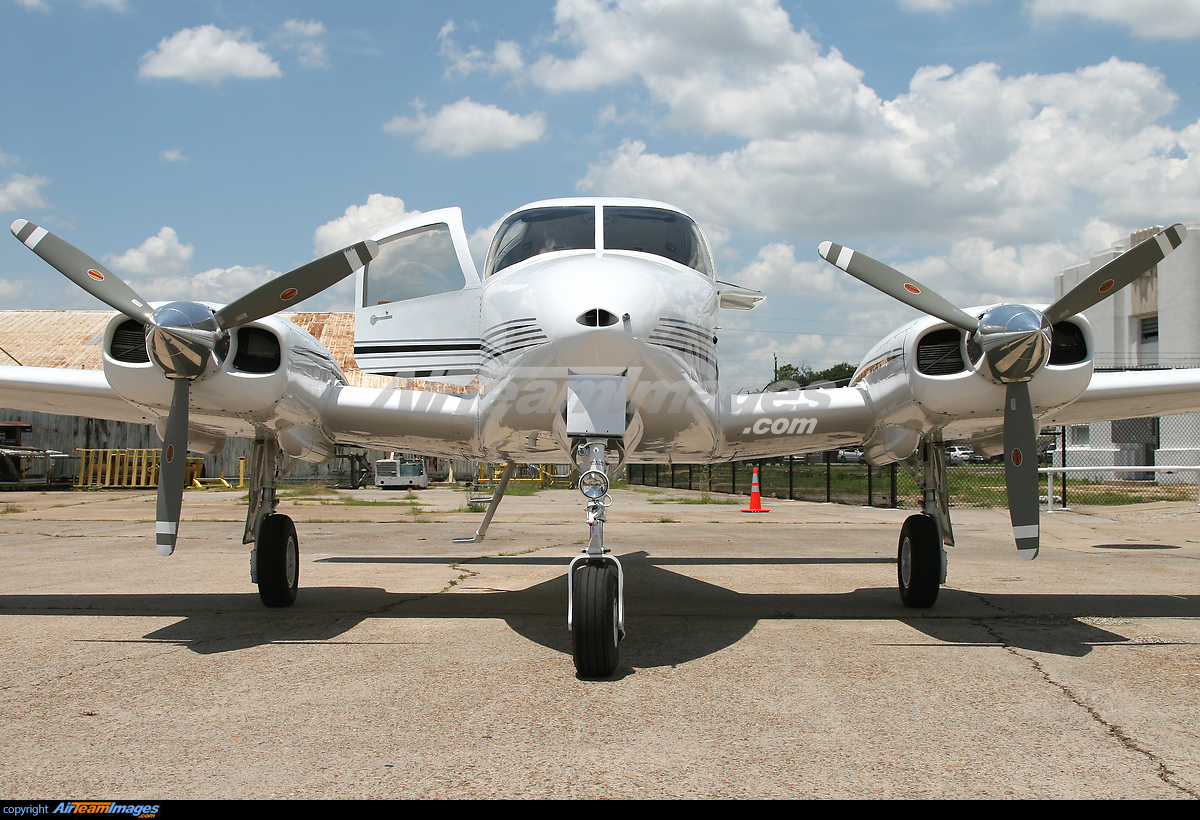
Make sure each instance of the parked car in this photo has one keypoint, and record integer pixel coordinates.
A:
(852, 456)
(959, 454)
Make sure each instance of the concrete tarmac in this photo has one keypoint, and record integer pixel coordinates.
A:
(767, 655)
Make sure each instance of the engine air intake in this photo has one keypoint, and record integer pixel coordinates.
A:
(940, 353)
(129, 343)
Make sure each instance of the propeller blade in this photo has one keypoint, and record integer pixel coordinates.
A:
(895, 284)
(172, 469)
(1020, 469)
(83, 270)
(297, 285)
(1116, 274)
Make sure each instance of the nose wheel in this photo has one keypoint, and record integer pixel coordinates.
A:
(595, 618)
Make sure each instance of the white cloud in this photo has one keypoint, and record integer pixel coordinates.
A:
(931, 5)
(359, 222)
(172, 155)
(776, 270)
(303, 36)
(961, 154)
(10, 289)
(21, 191)
(480, 242)
(504, 59)
(160, 269)
(34, 5)
(160, 255)
(467, 127)
(758, 76)
(207, 54)
(1150, 19)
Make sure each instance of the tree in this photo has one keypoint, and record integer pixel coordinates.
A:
(789, 376)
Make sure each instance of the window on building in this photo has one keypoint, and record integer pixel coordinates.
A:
(1148, 340)
(1081, 435)
(1149, 328)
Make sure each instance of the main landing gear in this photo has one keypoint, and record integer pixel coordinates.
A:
(920, 558)
(275, 559)
(595, 579)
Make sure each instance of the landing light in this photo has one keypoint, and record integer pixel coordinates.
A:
(593, 484)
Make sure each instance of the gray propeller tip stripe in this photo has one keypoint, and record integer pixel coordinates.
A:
(167, 532)
(28, 233)
(835, 254)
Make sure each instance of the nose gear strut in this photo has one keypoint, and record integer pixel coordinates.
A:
(595, 578)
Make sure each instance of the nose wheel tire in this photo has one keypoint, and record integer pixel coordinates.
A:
(594, 628)
(919, 562)
(277, 561)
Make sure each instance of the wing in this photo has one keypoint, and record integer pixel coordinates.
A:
(413, 421)
(66, 392)
(794, 421)
(1132, 394)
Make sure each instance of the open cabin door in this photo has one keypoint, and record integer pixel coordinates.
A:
(417, 303)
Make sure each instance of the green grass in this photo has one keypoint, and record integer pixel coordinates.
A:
(703, 498)
(10, 509)
(971, 486)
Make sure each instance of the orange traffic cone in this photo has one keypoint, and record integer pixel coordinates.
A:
(755, 496)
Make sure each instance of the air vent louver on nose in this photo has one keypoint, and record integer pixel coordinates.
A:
(597, 317)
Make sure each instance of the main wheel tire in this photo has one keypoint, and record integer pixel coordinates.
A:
(277, 557)
(594, 620)
(919, 562)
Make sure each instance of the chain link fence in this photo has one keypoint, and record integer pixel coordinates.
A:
(974, 480)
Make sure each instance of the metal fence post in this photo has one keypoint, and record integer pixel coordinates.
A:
(828, 477)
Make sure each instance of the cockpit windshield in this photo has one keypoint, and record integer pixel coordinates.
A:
(644, 229)
(543, 230)
(656, 231)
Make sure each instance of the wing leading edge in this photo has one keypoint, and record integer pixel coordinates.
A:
(1132, 394)
(66, 392)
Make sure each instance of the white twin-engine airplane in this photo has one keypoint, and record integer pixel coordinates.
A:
(591, 337)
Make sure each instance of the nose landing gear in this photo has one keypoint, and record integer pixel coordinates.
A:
(595, 580)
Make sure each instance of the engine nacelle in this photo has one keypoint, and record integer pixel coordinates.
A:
(930, 374)
(273, 379)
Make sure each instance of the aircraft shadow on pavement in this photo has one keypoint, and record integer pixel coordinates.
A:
(671, 618)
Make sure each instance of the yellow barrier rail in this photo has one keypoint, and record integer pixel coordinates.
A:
(125, 468)
(547, 475)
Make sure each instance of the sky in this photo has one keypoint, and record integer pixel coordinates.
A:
(201, 148)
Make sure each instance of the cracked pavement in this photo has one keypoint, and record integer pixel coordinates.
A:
(767, 656)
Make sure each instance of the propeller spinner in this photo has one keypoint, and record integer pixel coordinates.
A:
(1016, 342)
(183, 338)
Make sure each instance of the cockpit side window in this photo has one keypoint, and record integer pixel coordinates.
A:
(660, 232)
(542, 230)
(416, 263)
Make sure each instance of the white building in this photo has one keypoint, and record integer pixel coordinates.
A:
(1155, 322)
